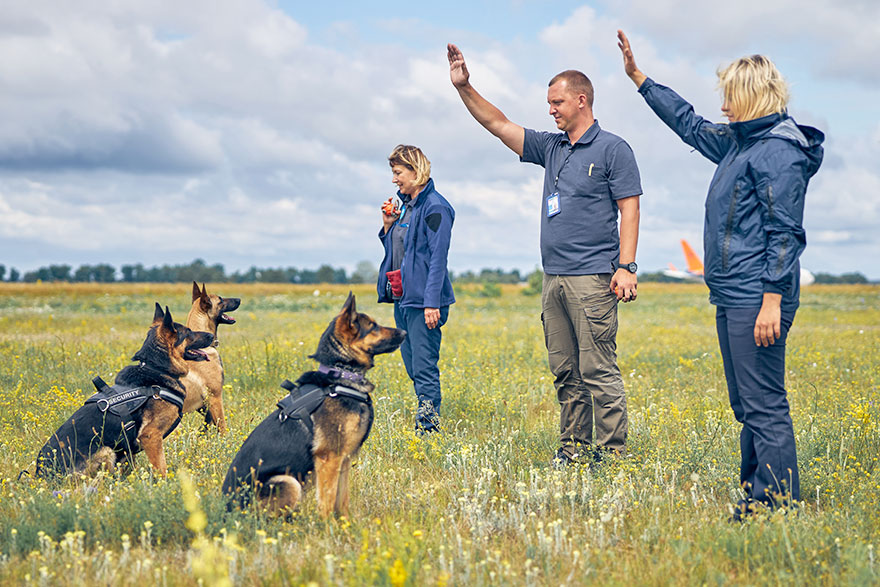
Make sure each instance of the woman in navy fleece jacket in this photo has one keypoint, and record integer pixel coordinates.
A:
(414, 276)
(753, 236)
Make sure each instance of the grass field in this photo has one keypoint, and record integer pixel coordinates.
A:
(476, 505)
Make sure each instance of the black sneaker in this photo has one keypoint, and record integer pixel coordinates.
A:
(743, 511)
(422, 430)
(561, 460)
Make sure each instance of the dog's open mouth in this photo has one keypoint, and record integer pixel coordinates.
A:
(195, 355)
(225, 319)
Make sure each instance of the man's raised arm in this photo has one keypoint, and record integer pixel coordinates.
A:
(482, 110)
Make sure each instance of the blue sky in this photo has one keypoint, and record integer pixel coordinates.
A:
(255, 133)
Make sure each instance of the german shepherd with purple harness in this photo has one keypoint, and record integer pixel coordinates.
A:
(319, 427)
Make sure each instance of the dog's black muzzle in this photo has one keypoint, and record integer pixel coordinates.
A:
(193, 351)
(390, 344)
(229, 305)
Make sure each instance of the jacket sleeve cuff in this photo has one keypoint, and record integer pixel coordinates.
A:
(431, 301)
(773, 288)
(646, 85)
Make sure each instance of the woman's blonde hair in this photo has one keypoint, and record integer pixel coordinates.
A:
(753, 87)
(413, 159)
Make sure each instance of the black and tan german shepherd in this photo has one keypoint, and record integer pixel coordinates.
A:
(320, 436)
(204, 381)
(94, 438)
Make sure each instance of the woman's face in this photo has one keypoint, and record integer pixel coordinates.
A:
(727, 110)
(405, 180)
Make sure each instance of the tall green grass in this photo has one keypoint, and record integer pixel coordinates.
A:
(479, 503)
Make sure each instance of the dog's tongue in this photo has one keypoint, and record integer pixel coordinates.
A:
(228, 319)
(201, 353)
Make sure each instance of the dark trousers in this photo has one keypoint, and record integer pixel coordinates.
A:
(421, 352)
(756, 386)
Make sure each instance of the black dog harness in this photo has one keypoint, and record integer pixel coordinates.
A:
(303, 401)
(127, 402)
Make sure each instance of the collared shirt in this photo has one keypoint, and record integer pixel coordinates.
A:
(590, 176)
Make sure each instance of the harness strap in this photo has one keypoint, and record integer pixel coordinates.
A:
(127, 402)
(304, 401)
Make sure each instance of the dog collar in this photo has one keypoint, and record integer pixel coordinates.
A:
(344, 374)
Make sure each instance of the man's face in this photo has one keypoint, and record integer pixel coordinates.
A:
(565, 105)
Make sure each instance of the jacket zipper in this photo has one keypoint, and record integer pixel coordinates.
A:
(725, 251)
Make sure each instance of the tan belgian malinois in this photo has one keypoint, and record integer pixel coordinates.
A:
(204, 381)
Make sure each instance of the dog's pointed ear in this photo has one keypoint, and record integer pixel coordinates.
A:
(158, 314)
(350, 305)
(204, 300)
(196, 293)
(349, 310)
(168, 321)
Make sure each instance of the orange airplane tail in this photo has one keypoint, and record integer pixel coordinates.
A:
(694, 265)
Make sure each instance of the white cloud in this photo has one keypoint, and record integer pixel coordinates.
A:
(134, 117)
(837, 36)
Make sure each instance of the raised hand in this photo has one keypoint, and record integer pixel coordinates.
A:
(629, 62)
(458, 71)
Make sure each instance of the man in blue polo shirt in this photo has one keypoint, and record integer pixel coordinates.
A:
(589, 176)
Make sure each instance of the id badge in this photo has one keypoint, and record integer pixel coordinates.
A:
(553, 205)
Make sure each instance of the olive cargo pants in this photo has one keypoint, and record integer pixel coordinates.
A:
(579, 314)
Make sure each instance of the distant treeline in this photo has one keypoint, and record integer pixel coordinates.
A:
(198, 270)
(365, 272)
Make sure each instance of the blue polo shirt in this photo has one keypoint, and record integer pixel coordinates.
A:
(590, 176)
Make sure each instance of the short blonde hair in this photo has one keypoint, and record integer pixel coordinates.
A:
(413, 159)
(753, 87)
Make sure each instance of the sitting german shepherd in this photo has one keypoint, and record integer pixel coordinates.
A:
(204, 381)
(136, 413)
(319, 427)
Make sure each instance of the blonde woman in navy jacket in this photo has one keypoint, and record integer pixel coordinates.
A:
(416, 245)
(752, 238)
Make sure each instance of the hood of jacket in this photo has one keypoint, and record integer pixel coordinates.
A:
(782, 126)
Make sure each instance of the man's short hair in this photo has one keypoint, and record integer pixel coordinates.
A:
(413, 159)
(753, 87)
(576, 82)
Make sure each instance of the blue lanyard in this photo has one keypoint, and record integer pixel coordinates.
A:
(399, 221)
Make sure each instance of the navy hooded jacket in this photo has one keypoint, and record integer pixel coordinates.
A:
(753, 231)
(423, 271)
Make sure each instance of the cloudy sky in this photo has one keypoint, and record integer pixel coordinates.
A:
(246, 132)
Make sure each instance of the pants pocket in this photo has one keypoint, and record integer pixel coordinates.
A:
(601, 312)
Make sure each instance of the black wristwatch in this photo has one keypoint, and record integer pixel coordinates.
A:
(631, 267)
